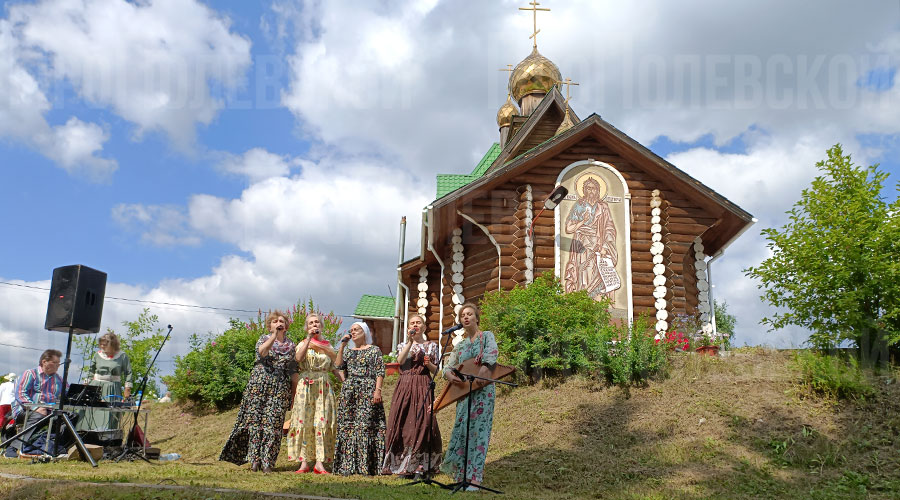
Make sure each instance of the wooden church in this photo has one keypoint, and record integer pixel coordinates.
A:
(633, 227)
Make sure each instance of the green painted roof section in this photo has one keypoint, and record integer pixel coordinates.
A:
(375, 306)
(447, 183)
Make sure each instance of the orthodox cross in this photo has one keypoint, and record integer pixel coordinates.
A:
(534, 8)
(568, 83)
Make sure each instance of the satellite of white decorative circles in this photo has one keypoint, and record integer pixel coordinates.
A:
(457, 247)
(659, 269)
(423, 287)
(656, 211)
(656, 248)
(456, 240)
(702, 286)
(458, 257)
(655, 228)
(659, 292)
(662, 326)
(701, 264)
(659, 280)
(655, 220)
(457, 267)
(656, 237)
(457, 231)
(662, 315)
(457, 288)
(660, 304)
(422, 302)
(457, 278)
(423, 271)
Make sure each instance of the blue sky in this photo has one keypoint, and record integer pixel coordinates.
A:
(281, 141)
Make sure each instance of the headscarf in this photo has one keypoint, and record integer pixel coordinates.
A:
(365, 328)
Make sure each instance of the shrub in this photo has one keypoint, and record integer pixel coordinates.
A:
(632, 355)
(543, 331)
(832, 375)
(216, 371)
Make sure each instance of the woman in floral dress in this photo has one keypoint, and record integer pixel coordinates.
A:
(311, 433)
(256, 437)
(111, 370)
(360, 439)
(483, 347)
(408, 442)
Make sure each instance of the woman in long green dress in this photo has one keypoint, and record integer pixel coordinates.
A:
(360, 415)
(111, 370)
(482, 346)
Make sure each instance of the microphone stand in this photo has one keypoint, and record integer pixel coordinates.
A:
(429, 412)
(465, 483)
(131, 452)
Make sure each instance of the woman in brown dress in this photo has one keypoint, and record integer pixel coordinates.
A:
(408, 441)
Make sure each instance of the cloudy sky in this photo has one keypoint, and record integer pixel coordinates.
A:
(243, 155)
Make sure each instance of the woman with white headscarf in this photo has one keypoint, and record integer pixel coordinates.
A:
(360, 414)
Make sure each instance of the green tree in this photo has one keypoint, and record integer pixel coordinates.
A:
(140, 341)
(725, 322)
(834, 266)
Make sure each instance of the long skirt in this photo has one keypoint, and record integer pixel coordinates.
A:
(480, 422)
(256, 436)
(407, 442)
(360, 436)
(101, 418)
(311, 434)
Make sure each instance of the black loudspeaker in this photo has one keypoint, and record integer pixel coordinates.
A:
(76, 299)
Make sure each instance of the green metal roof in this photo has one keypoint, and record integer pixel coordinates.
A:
(447, 183)
(375, 306)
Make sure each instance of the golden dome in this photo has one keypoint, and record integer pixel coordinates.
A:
(505, 115)
(535, 74)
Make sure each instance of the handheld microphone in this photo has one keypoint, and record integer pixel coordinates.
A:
(459, 374)
(345, 339)
(452, 329)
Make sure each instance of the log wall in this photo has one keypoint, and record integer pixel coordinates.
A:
(503, 213)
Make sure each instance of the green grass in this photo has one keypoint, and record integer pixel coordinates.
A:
(735, 427)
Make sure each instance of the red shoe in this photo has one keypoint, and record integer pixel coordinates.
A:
(317, 471)
(301, 471)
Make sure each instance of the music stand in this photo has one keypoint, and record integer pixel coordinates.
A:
(465, 483)
(426, 477)
(131, 452)
(57, 413)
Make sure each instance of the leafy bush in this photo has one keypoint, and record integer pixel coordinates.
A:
(216, 371)
(539, 328)
(543, 331)
(632, 356)
(833, 375)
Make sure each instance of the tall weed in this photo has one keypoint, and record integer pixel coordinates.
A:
(833, 376)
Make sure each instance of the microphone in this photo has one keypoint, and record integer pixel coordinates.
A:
(459, 374)
(452, 329)
(345, 339)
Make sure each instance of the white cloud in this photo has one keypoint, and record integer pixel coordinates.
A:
(75, 146)
(151, 62)
(329, 232)
(257, 164)
(160, 225)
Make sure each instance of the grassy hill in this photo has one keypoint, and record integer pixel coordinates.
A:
(733, 427)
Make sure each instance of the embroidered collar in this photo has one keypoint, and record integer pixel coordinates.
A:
(108, 358)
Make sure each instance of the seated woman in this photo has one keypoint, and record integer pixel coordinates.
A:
(311, 433)
(482, 346)
(110, 369)
(256, 437)
(409, 448)
(360, 439)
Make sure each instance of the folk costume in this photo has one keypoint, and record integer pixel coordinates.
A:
(361, 424)
(407, 442)
(483, 348)
(256, 436)
(311, 434)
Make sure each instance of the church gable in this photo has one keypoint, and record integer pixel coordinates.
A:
(536, 129)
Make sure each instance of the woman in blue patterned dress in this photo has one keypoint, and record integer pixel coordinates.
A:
(360, 414)
(256, 437)
(482, 346)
